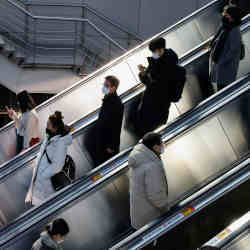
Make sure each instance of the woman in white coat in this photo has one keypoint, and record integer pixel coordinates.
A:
(27, 122)
(56, 143)
(147, 181)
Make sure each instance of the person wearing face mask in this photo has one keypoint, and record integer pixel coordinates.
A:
(108, 127)
(242, 4)
(147, 181)
(50, 159)
(226, 49)
(153, 109)
(53, 236)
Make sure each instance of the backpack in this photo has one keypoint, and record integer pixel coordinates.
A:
(178, 84)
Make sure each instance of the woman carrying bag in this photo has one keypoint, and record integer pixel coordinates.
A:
(50, 160)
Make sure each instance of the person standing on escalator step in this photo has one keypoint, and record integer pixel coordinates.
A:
(50, 160)
(226, 49)
(27, 122)
(153, 109)
(108, 128)
(147, 181)
(244, 5)
(53, 236)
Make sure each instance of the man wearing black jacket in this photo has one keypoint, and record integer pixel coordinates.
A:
(109, 123)
(158, 78)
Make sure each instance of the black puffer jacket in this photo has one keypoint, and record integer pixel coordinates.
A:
(155, 103)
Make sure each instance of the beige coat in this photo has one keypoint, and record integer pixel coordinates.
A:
(148, 186)
(28, 126)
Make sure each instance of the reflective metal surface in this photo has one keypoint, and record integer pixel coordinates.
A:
(190, 98)
(86, 94)
(161, 226)
(78, 150)
(242, 243)
(189, 175)
(235, 236)
(111, 200)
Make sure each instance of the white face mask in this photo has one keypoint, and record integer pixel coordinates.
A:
(60, 241)
(105, 90)
(155, 56)
(162, 149)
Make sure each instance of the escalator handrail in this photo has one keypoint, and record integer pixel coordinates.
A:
(154, 230)
(122, 57)
(18, 161)
(230, 233)
(116, 166)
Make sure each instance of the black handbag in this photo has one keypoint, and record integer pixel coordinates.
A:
(65, 176)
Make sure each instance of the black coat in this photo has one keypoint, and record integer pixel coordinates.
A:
(154, 107)
(109, 123)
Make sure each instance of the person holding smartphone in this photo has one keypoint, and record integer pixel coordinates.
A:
(27, 122)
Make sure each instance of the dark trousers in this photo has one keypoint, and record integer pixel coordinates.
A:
(147, 124)
(102, 156)
(19, 144)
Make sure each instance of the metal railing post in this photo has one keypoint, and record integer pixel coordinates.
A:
(109, 50)
(84, 12)
(75, 44)
(34, 40)
(26, 29)
(128, 43)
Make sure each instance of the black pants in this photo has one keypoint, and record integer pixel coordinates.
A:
(102, 156)
(19, 144)
(143, 126)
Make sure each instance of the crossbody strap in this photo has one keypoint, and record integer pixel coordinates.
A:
(49, 161)
(45, 152)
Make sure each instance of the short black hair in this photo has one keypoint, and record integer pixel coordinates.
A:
(158, 43)
(58, 226)
(114, 81)
(25, 101)
(236, 13)
(151, 139)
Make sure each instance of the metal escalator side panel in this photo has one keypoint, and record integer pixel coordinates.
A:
(56, 102)
(87, 185)
(230, 233)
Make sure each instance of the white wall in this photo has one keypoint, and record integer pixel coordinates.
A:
(35, 80)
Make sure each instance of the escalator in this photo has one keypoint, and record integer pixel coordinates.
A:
(234, 237)
(201, 147)
(85, 96)
(19, 171)
(198, 219)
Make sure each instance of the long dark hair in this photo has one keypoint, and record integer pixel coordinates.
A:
(25, 101)
(58, 226)
(57, 122)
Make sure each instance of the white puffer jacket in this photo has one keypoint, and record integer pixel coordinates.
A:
(56, 149)
(148, 186)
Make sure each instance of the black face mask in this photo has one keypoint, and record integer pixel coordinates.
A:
(225, 20)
